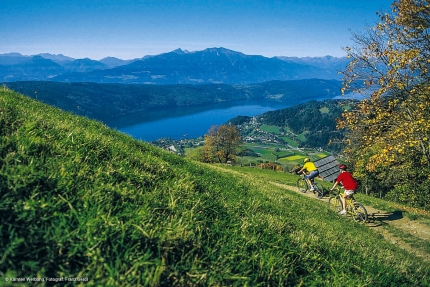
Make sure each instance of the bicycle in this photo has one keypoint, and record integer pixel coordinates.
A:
(303, 186)
(353, 208)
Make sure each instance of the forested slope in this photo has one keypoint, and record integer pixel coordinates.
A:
(105, 102)
(311, 124)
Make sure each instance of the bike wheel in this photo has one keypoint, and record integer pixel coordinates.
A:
(359, 213)
(302, 185)
(318, 190)
(335, 203)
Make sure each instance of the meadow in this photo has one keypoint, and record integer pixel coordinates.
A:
(80, 200)
(287, 157)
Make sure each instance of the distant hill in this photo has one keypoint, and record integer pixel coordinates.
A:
(60, 58)
(36, 68)
(332, 65)
(30, 69)
(321, 62)
(212, 65)
(12, 59)
(113, 62)
(16, 58)
(84, 65)
(42, 67)
(312, 124)
(107, 101)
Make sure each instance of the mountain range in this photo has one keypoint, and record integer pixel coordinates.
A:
(212, 65)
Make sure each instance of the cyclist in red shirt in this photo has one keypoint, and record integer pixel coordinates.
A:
(348, 182)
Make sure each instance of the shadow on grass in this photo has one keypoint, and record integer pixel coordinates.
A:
(379, 218)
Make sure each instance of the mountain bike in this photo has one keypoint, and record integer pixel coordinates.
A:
(303, 186)
(353, 208)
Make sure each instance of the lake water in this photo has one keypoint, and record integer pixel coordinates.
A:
(191, 122)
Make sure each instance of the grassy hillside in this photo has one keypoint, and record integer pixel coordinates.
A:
(78, 200)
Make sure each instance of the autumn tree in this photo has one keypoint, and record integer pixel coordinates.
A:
(388, 133)
(221, 144)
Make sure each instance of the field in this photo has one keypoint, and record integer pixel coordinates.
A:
(281, 154)
(270, 129)
(80, 200)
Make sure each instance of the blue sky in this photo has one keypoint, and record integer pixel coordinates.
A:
(130, 29)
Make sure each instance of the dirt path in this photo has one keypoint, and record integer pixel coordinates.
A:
(408, 234)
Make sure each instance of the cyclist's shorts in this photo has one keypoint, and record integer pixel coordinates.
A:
(349, 192)
(312, 174)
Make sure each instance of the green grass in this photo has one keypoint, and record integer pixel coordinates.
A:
(81, 200)
(264, 151)
(283, 156)
(194, 152)
(321, 155)
(410, 239)
(268, 175)
(324, 110)
(270, 129)
(295, 158)
(301, 137)
(290, 141)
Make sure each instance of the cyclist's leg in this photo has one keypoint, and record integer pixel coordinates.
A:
(344, 207)
(310, 177)
(346, 195)
(319, 190)
(308, 181)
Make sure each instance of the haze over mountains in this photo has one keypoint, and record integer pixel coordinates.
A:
(212, 65)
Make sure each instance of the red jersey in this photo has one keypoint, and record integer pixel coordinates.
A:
(347, 181)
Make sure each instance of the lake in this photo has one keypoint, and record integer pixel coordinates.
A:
(191, 122)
